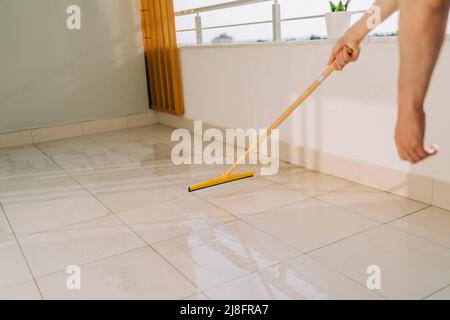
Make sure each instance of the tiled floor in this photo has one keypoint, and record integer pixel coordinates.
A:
(114, 205)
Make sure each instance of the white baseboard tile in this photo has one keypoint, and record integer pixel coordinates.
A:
(176, 121)
(73, 130)
(142, 119)
(341, 167)
(441, 194)
(99, 126)
(404, 184)
(318, 161)
(56, 133)
(14, 139)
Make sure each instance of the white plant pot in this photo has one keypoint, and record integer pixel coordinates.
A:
(337, 23)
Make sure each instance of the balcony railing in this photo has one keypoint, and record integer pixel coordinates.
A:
(276, 20)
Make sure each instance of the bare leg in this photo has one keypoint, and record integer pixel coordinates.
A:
(422, 31)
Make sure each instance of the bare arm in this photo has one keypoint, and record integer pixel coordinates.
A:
(422, 31)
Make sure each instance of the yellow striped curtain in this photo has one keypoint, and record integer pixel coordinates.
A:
(163, 64)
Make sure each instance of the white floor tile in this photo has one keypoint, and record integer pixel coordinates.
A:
(248, 197)
(374, 204)
(40, 170)
(105, 160)
(309, 182)
(44, 205)
(152, 134)
(432, 224)
(198, 296)
(18, 195)
(67, 149)
(218, 255)
(441, 190)
(23, 156)
(141, 274)
(5, 230)
(55, 250)
(411, 268)
(298, 279)
(186, 175)
(144, 153)
(310, 224)
(13, 268)
(23, 291)
(443, 294)
(174, 218)
(123, 189)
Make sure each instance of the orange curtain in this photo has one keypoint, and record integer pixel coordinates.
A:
(163, 63)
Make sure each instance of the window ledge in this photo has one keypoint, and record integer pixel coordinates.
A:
(369, 40)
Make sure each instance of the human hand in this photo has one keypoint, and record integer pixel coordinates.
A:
(409, 136)
(344, 52)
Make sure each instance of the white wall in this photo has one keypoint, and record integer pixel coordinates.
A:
(50, 75)
(351, 115)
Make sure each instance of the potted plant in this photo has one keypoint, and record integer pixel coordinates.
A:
(338, 20)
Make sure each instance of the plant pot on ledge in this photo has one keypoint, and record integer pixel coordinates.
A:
(337, 23)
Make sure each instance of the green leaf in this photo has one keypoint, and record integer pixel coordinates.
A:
(340, 7)
(332, 7)
(347, 4)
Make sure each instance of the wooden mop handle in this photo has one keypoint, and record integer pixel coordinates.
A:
(284, 115)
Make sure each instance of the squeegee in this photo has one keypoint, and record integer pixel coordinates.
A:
(228, 175)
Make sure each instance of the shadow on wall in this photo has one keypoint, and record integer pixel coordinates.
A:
(52, 75)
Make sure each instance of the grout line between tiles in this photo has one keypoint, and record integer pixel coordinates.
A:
(433, 293)
(23, 254)
(364, 216)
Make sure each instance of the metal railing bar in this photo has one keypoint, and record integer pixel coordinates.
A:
(317, 16)
(186, 30)
(219, 6)
(227, 26)
(238, 25)
(263, 22)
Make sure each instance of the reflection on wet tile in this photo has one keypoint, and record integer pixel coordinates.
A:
(127, 188)
(309, 182)
(185, 175)
(141, 274)
(55, 250)
(17, 195)
(218, 255)
(48, 204)
(39, 170)
(298, 279)
(374, 204)
(310, 224)
(174, 218)
(251, 196)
